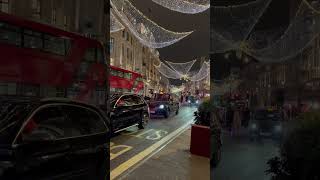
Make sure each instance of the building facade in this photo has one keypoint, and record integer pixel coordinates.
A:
(127, 52)
(82, 16)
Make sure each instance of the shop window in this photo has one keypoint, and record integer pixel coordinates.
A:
(10, 34)
(4, 6)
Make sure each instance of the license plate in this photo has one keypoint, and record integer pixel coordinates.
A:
(152, 111)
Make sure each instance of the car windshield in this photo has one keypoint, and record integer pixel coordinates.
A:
(265, 115)
(10, 113)
(161, 97)
(114, 99)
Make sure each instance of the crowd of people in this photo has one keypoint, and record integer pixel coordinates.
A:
(233, 117)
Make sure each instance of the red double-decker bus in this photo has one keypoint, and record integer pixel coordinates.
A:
(122, 81)
(40, 60)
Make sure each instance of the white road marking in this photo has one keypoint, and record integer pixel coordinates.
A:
(156, 147)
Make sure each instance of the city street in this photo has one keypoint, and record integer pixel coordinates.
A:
(130, 148)
(243, 159)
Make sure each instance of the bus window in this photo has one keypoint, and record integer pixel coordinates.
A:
(54, 45)
(127, 75)
(120, 74)
(32, 39)
(100, 56)
(113, 72)
(90, 55)
(10, 34)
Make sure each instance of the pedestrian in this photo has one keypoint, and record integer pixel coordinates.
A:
(236, 124)
(229, 118)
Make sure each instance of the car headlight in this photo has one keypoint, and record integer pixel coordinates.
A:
(161, 106)
(253, 126)
(197, 102)
(189, 101)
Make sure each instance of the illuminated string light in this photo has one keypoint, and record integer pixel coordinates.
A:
(167, 71)
(115, 24)
(300, 34)
(145, 30)
(202, 73)
(233, 24)
(181, 68)
(314, 5)
(185, 6)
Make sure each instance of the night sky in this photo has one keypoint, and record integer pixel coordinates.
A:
(276, 15)
(197, 44)
(193, 46)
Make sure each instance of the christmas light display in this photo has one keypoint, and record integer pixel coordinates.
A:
(300, 34)
(145, 30)
(203, 72)
(181, 68)
(313, 5)
(167, 71)
(233, 24)
(115, 24)
(185, 6)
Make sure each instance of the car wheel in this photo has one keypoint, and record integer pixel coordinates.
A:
(141, 123)
(166, 114)
(101, 171)
(146, 118)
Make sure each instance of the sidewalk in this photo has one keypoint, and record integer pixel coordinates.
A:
(174, 161)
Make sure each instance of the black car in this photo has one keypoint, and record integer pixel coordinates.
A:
(52, 139)
(163, 105)
(266, 123)
(193, 101)
(127, 110)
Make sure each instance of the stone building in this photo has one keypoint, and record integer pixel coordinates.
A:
(127, 52)
(82, 16)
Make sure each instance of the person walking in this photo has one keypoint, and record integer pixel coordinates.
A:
(236, 124)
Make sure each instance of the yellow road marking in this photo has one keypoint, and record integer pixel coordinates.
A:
(124, 148)
(137, 158)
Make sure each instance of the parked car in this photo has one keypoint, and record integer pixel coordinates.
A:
(163, 105)
(266, 123)
(52, 139)
(127, 110)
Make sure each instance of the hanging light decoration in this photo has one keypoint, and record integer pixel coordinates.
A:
(226, 56)
(145, 30)
(239, 54)
(115, 24)
(185, 6)
(202, 73)
(167, 71)
(233, 24)
(300, 34)
(181, 68)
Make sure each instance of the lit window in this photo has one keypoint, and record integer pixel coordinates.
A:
(36, 8)
(4, 6)
(128, 53)
(65, 22)
(122, 50)
(111, 44)
(54, 16)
